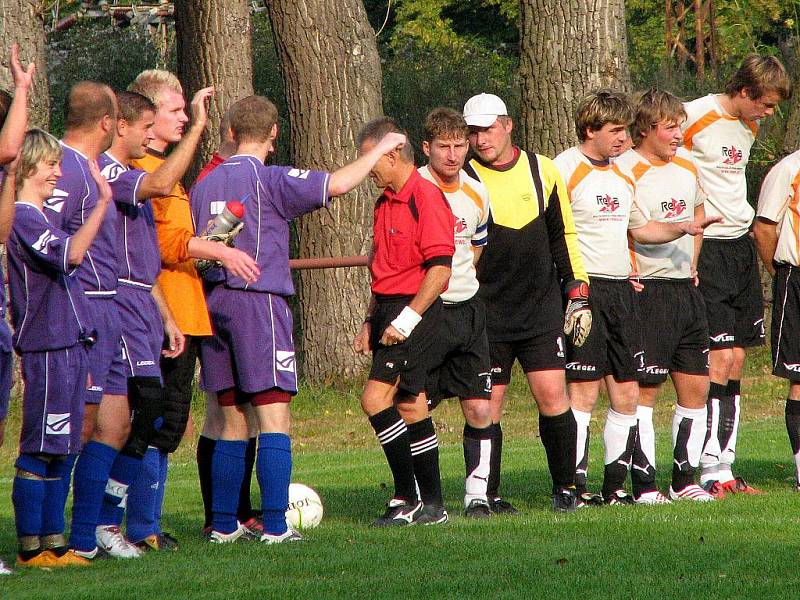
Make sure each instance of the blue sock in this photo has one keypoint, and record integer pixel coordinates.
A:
(274, 471)
(124, 470)
(227, 472)
(92, 471)
(142, 498)
(28, 495)
(56, 490)
(163, 471)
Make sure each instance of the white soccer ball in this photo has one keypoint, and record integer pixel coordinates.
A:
(305, 507)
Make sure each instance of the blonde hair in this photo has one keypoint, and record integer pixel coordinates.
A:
(152, 83)
(653, 107)
(601, 107)
(37, 146)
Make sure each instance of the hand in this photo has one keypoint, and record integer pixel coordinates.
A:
(391, 141)
(391, 336)
(23, 78)
(175, 339)
(637, 285)
(103, 187)
(361, 341)
(697, 227)
(578, 316)
(695, 278)
(240, 264)
(199, 107)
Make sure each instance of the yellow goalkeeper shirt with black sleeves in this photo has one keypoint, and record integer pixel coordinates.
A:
(532, 247)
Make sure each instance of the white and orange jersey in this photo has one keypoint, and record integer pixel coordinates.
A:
(720, 145)
(469, 202)
(778, 202)
(604, 208)
(669, 191)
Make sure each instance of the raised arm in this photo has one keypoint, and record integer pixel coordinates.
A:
(161, 181)
(79, 243)
(349, 176)
(16, 123)
(7, 198)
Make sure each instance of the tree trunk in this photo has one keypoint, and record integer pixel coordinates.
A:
(332, 75)
(21, 22)
(790, 49)
(568, 48)
(214, 47)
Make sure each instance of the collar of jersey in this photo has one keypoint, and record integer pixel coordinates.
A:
(404, 195)
(505, 166)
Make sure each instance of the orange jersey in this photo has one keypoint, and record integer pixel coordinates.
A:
(178, 279)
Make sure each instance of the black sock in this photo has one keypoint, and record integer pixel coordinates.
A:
(205, 452)
(472, 445)
(734, 387)
(793, 423)
(493, 487)
(559, 437)
(245, 510)
(643, 474)
(425, 452)
(393, 436)
(682, 471)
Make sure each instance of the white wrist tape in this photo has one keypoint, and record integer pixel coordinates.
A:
(406, 321)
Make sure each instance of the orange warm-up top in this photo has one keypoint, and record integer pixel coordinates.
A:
(179, 281)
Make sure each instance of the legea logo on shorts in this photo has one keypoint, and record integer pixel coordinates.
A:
(284, 360)
(145, 363)
(722, 337)
(576, 366)
(653, 370)
(795, 367)
(57, 424)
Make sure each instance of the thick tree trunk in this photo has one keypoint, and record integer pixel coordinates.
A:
(790, 49)
(21, 22)
(568, 48)
(215, 47)
(332, 74)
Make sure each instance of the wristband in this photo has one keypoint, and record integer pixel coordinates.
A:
(406, 321)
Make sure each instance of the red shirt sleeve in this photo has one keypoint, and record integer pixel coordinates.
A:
(436, 228)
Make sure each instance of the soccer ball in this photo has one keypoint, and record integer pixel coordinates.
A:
(305, 507)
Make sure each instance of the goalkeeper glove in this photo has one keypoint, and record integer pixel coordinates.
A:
(578, 316)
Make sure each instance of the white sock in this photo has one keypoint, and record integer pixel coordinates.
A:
(476, 482)
(694, 445)
(615, 436)
(647, 433)
(581, 449)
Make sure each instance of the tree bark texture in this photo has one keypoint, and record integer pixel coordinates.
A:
(568, 48)
(332, 74)
(21, 22)
(214, 47)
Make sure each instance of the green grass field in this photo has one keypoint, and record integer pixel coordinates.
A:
(741, 547)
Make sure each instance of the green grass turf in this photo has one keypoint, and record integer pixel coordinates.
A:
(741, 547)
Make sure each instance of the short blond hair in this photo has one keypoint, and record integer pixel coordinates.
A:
(601, 107)
(760, 75)
(653, 107)
(152, 83)
(37, 146)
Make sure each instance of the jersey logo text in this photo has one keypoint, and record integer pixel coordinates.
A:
(607, 203)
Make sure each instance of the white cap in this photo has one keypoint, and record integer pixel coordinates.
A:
(482, 110)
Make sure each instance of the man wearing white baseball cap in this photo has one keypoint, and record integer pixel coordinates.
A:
(531, 257)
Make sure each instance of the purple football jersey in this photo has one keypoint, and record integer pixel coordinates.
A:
(73, 200)
(48, 309)
(272, 197)
(137, 244)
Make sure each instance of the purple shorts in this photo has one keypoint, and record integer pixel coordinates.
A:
(6, 368)
(142, 331)
(252, 347)
(107, 363)
(52, 403)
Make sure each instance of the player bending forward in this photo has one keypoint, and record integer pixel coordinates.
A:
(251, 357)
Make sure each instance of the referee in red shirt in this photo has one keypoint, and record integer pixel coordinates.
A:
(412, 249)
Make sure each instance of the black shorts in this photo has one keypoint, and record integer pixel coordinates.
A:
(785, 328)
(731, 287)
(409, 362)
(542, 352)
(461, 352)
(674, 329)
(614, 346)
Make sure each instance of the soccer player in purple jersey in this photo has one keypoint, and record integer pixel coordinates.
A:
(251, 357)
(52, 329)
(14, 119)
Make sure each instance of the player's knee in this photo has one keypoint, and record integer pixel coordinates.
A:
(146, 396)
(113, 434)
(31, 466)
(477, 412)
(721, 363)
(89, 423)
